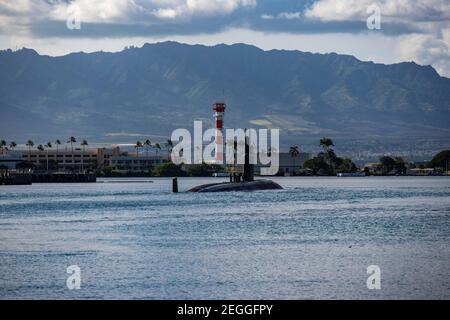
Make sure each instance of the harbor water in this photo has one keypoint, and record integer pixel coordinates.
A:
(134, 239)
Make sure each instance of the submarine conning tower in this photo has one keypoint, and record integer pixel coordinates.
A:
(248, 174)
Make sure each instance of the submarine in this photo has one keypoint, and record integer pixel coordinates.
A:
(244, 181)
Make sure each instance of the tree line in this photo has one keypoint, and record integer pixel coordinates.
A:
(327, 162)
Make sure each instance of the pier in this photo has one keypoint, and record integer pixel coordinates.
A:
(29, 178)
(63, 177)
(15, 179)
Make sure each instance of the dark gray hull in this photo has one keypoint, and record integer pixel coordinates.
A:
(238, 186)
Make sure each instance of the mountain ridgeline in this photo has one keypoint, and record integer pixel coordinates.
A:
(159, 87)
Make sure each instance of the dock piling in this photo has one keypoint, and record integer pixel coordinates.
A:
(174, 185)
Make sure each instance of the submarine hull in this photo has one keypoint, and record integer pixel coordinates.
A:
(238, 186)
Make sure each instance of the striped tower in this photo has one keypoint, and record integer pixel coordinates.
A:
(219, 110)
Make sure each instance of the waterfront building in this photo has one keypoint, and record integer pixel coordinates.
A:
(10, 160)
(61, 160)
(135, 164)
(64, 160)
(104, 156)
(288, 165)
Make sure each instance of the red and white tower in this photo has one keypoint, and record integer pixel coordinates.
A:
(219, 110)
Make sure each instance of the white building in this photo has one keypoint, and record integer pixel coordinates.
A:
(62, 159)
(135, 164)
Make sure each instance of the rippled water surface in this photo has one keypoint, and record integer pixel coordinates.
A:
(314, 239)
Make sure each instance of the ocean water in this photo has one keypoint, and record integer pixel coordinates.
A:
(134, 239)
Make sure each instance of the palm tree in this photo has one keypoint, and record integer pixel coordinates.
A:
(72, 140)
(84, 143)
(326, 143)
(169, 146)
(48, 146)
(40, 149)
(294, 152)
(29, 144)
(147, 144)
(2, 145)
(137, 146)
(157, 148)
(12, 145)
(57, 142)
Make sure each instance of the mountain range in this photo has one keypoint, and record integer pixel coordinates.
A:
(151, 90)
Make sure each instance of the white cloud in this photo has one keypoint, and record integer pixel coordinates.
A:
(115, 11)
(391, 10)
(428, 50)
(97, 11)
(118, 10)
(267, 17)
(283, 15)
(188, 8)
(290, 15)
(338, 10)
(15, 16)
(165, 13)
(430, 46)
(217, 6)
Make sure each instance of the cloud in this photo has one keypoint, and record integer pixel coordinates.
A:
(428, 50)
(217, 6)
(97, 11)
(165, 13)
(124, 134)
(290, 15)
(24, 14)
(267, 17)
(16, 16)
(121, 10)
(430, 45)
(282, 15)
(414, 11)
(189, 8)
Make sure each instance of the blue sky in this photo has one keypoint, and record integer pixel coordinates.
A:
(415, 30)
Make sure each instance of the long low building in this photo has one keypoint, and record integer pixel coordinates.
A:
(117, 161)
(135, 164)
(60, 160)
(68, 160)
